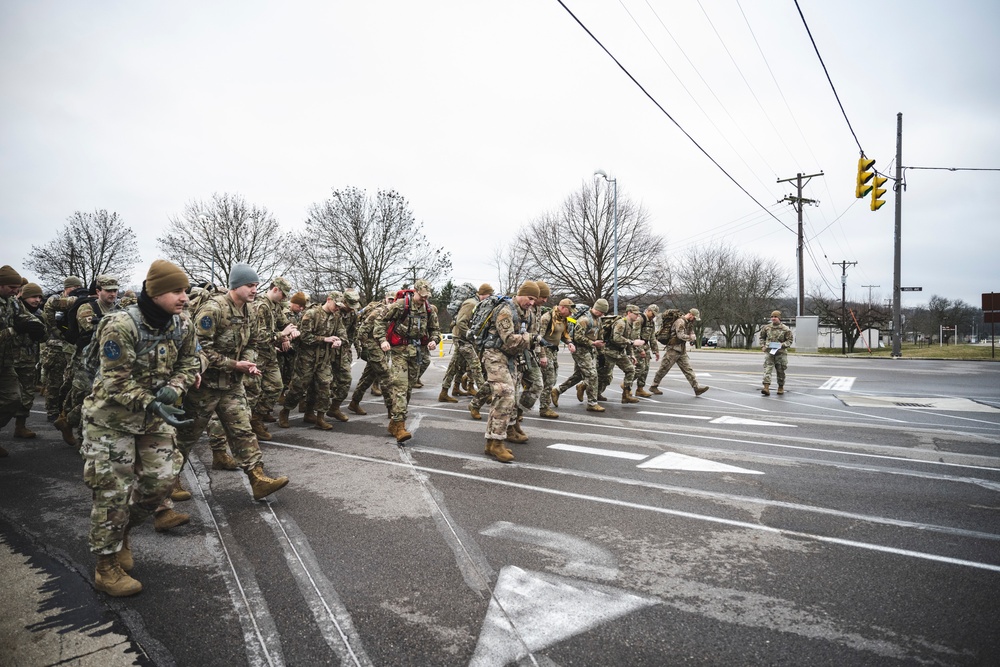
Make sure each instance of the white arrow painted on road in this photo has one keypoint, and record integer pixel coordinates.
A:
(838, 383)
(600, 452)
(667, 414)
(583, 558)
(545, 609)
(750, 422)
(674, 461)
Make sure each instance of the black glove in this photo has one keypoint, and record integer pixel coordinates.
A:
(167, 395)
(168, 413)
(32, 327)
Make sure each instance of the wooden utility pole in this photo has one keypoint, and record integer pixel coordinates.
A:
(843, 303)
(897, 324)
(797, 202)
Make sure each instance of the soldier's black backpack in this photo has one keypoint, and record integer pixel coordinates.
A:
(666, 332)
(70, 327)
(608, 327)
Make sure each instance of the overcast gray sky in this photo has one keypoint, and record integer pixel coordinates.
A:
(487, 114)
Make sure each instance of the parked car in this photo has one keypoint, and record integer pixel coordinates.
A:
(711, 342)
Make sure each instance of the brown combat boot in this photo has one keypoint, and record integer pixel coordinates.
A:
(354, 407)
(627, 397)
(596, 407)
(283, 418)
(497, 450)
(322, 424)
(581, 389)
(474, 411)
(701, 390)
(602, 397)
(110, 578)
(335, 412)
(443, 397)
(781, 389)
(221, 460)
(641, 391)
(555, 396)
(263, 485)
(125, 554)
(259, 430)
(548, 413)
(302, 406)
(398, 429)
(376, 390)
(656, 390)
(309, 417)
(456, 389)
(766, 389)
(268, 417)
(22, 431)
(178, 492)
(166, 519)
(514, 436)
(67, 432)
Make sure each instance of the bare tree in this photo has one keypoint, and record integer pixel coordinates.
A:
(208, 237)
(512, 265)
(90, 244)
(831, 314)
(371, 243)
(573, 248)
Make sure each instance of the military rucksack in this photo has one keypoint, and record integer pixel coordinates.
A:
(460, 295)
(146, 340)
(70, 325)
(390, 332)
(479, 333)
(666, 333)
(608, 327)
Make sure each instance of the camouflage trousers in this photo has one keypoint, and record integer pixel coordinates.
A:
(78, 390)
(286, 363)
(503, 377)
(404, 369)
(27, 380)
(672, 356)
(375, 371)
(54, 363)
(584, 370)
(777, 363)
(129, 474)
(340, 384)
(550, 373)
(642, 367)
(425, 363)
(606, 373)
(531, 383)
(463, 360)
(263, 391)
(217, 440)
(10, 394)
(311, 381)
(230, 405)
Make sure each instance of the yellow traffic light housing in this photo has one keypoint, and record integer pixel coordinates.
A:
(877, 192)
(864, 175)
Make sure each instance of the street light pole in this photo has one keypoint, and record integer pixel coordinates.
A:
(600, 172)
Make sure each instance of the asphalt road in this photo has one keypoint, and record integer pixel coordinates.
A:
(854, 520)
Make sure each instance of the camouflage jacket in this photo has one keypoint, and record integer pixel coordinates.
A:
(316, 325)
(417, 324)
(461, 325)
(223, 331)
(510, 323)
(136, 360)
(52, 312)
(586, 331)
(25, 351)
(646, 328)
(268, 320)
(776, 333)
(10, 312)
(682, 333)
(366, 329)
(554, 329)
(621, 344)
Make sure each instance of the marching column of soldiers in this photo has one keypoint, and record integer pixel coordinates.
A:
(133, 383)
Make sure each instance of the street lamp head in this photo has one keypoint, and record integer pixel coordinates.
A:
(601, 172)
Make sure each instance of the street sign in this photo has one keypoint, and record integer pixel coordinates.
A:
(911, 289)
(991, 317)
(991, 301)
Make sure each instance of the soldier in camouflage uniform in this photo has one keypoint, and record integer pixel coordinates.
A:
(58, 351)
(321, 332)
(618, 352)
(343, 356)
(408, 330)
(369, 349)
(147, 361)
(286, 358)
(531, 381)
(777, 333)
(464, 355)
(647, 331)
(26, 353)
(80, 379)
(127, 299)
(587, 339)
(682, 333)
(506, 339)
(13, 322)
(223, 327)
(271, 332)
(554, 328)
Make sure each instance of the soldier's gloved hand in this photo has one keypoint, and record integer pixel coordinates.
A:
(31, 327)
(167, 394)
(168, 413)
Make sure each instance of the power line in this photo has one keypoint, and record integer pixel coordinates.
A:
(665, 113)
(957, 168)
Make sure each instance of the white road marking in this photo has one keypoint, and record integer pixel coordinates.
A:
(600, 452)
(838, 383)
(675, 461)
(748, 422)
(583, 558)
(541, 610)
(670, 414)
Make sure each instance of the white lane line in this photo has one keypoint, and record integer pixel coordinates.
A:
(748, 422)
(838, 383)
(671, 414)
(662, 510)
(599, 452)
(675, 461)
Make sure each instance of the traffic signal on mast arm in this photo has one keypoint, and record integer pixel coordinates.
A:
(864, 175)
(877, 192)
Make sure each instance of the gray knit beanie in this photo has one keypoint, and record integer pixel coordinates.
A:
(242, 274)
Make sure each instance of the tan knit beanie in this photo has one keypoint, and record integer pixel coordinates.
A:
(543, 290)
(165, 277)
(528, 288)
(8, 276)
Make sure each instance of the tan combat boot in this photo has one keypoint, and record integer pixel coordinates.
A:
(376, 390)
(627, 397)
(517, 424)
(354, 407)
(497, 450)
(548, 413)
(766, 389)
(398, 429)
(268, 417)
(302, 406)
(110, 578)
(125, 554)
(555, 396)
(443, 397)
(309, 417)
(335, 412)
(641, 391)
(781, 389)
(581, 389)
(514, 436)
(456, 389)
(602, 397)
(166, 519)
(702, 389)
(67, 432)
(263, 485)
(178, 492)
(596, 407)
(283, 418)
(221, 460)
(655, 390)
(474, 411)
(321, 424)
(22, 431)
(258, 428)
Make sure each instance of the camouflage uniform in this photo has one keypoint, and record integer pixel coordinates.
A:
(130, 455)
(675, 352)
(268, 322)
(464, 357)
(554, 329)
(507, 338)
(58, 353)
(286, 359)
(25, 358)
(586, 331)
(343, 356)
(416, 325)
(376, 361)
(79, 378)
(646, 330)
(313, 360)
(531, 379)
(618, 352)
(778, 362)
(223, 330)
